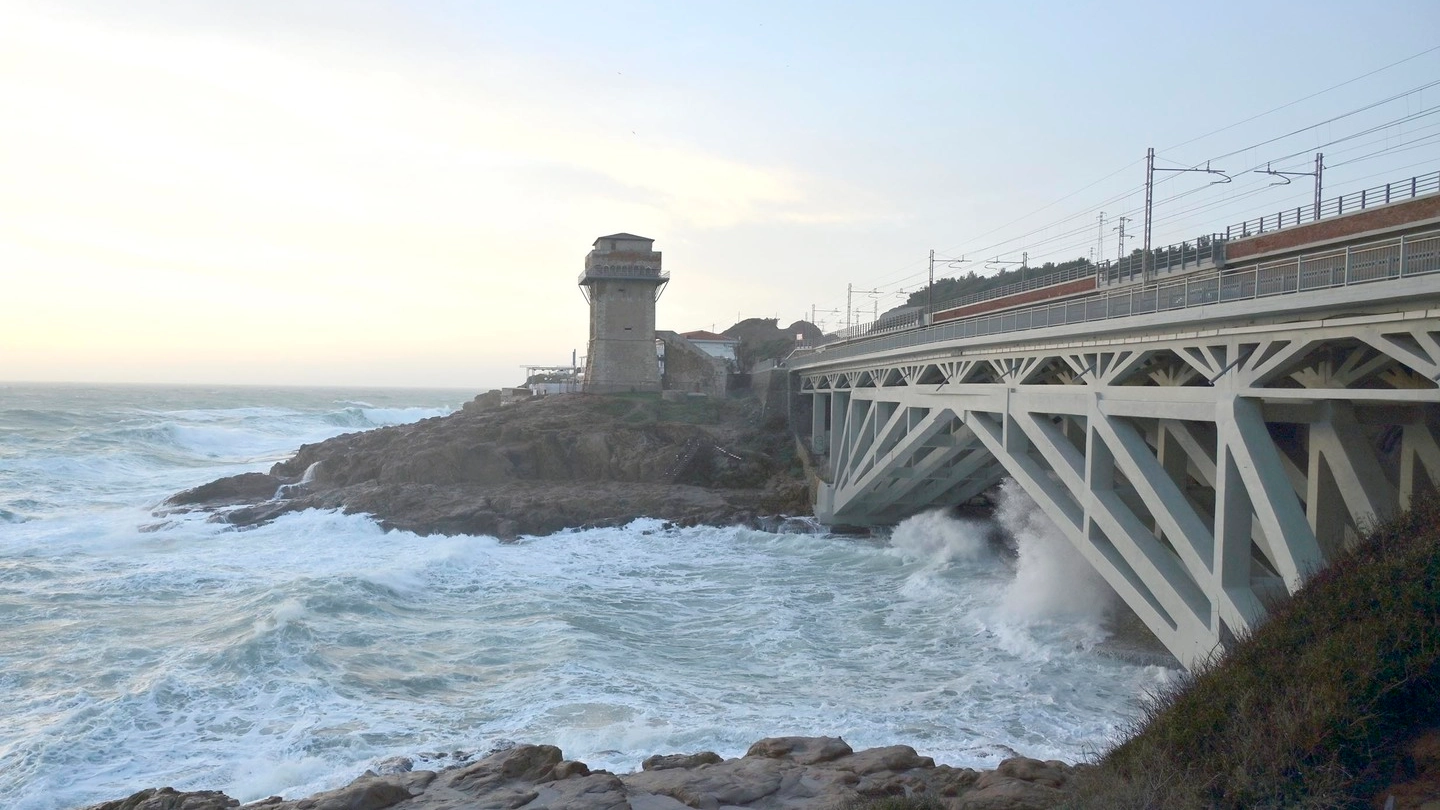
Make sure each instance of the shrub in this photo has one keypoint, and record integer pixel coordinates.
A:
(1314, 707)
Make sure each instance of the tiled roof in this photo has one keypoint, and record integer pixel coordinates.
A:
(701, 334)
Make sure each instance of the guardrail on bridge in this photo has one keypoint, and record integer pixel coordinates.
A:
(1374, 262)
(1337, 206)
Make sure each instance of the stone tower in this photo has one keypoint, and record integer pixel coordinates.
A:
(622, 281)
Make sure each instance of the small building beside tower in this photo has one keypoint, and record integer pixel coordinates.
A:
(715, 345)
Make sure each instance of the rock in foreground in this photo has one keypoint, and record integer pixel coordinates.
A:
(789, 773)
(534, 468)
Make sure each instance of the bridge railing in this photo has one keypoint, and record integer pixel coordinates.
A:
(1209, 249)
(886, 324)
(1335, 206)
(1376, 262)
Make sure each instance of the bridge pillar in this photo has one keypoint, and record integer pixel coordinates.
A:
(839, 409)
(819, 414)
(1419, 461)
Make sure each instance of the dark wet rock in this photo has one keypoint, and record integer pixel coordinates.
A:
(167, 798)
(1051, 773)
(393, 765)
(594, 791)
(661, 762)
(534, 468)
(949, 781)
(894, 758)
(804, 750)
(1005, 793)
(733, 782)
(569, 769)
(365, 793)
(236, 489)
(530, 763)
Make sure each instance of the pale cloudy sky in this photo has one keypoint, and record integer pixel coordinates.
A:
(402, 193)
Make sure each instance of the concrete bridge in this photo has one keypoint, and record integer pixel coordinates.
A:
(1206, 441)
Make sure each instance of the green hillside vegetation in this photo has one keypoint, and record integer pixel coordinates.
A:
(948, 290)
(1312, 710)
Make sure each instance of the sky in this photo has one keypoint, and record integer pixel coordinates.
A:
(367, 192)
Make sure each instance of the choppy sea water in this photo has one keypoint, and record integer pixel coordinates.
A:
(286, 659)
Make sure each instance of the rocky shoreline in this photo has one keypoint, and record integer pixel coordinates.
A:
(779, 773)
(535, 467)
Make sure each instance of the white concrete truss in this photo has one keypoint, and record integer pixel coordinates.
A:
(1204, 475)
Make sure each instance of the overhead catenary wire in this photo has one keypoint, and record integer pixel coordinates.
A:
(1332, 119)
(1304, 99)
(1031, 242)
(1283, 203)
(1428, 140)
(1033, 237)
(1405, 119)
(1045, 242)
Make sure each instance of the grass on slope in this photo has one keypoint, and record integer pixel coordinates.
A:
(647, 407)
(1313, 708)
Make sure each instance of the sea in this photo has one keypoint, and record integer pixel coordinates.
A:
(140, 648)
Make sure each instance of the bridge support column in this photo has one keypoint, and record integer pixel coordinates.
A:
(1419, 461)
(834, 434)
(819, 411)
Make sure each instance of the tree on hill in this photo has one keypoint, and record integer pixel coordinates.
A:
(950, 290)
(764, 339)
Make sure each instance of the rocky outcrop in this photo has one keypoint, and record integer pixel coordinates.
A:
(533, 468)
(171, 799)
(782, 773)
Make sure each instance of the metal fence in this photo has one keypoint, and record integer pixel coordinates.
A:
(1337, 206)
(1186, 255)
(1205, 249)
(909, 318)
(1391, 259)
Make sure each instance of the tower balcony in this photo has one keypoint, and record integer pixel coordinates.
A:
(615, 265)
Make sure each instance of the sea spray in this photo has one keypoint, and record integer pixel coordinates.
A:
(941, 549)
(937, 538)
(1052, 580)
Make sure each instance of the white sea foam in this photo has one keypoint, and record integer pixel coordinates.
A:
(289, 657)
(288, 611)
(400, 416)
(937, 538)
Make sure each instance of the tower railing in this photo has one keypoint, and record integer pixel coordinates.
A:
(635, 271)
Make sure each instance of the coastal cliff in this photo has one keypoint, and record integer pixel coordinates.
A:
(535, 467)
